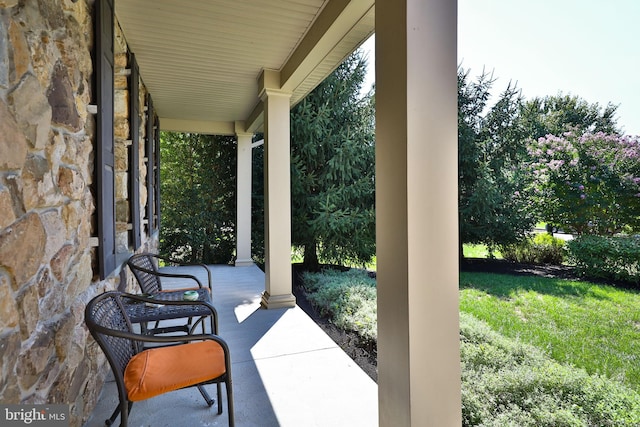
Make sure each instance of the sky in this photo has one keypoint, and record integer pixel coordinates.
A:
(588, 48)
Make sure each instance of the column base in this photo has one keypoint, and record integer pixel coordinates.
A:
(243, 262)
(277, 301)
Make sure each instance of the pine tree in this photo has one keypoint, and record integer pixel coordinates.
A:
(333, 169)
(493, 206)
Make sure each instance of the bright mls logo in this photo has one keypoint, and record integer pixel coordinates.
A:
(34, 415)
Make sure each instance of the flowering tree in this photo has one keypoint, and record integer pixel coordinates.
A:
(589, 183)
(562, 113)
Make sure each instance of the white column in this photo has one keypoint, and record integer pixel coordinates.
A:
(416, 213)
(277, 180)
(243, 198)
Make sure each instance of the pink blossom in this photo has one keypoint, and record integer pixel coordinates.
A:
(583, 196)
(555, 164)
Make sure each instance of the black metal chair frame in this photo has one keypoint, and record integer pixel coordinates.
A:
(108, 322)
(147, 274)
(144, 268)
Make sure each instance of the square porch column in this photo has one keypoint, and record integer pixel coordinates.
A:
(243, 198)
(416, 213)
(277, 193)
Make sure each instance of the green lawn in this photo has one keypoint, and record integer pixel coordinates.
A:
(534, 352)
(478, 251)
(590, 326)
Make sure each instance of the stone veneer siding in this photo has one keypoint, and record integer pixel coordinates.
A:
(48, 270)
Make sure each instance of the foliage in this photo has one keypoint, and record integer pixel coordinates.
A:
(332, 166)
(349, 298)
(542, 248)
(198, 197)
(616, 258)
(594, 327)
(589, 183)
(480, 251)
(555, 115)
(492, 202)
(509, 383)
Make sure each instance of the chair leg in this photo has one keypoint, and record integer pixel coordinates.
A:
(113, 416)
(116, 412)
(206, 396)
(230, 407)
(219, 390)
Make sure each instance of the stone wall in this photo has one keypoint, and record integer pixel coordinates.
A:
(47, 210)
(123, 137)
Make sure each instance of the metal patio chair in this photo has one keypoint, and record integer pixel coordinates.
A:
(144, 267)
(142, 374)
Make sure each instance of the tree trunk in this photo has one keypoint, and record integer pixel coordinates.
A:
(310, 262)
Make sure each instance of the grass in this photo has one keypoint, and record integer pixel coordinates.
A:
(534, 351)
(478, 251)
(590, 326)
(506, 382)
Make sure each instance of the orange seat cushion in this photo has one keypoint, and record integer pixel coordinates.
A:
(160, 370)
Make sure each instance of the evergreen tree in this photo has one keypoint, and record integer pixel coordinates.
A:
(198, 190)
(492, 144)
(333, 167)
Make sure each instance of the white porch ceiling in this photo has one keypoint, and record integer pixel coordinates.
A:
(201, 59)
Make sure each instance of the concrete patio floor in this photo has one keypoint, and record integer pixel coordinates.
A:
(286, 370)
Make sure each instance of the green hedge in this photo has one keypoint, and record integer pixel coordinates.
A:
(543, 248)
(605, 257)
(349, 298)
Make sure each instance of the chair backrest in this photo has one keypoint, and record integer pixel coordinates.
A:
(106, 318)
(144, 270)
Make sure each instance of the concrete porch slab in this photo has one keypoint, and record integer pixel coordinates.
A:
(286, 370)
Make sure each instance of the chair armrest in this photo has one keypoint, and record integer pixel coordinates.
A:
(183, 264)
(167, 340)
(151, 300)
(168, 275)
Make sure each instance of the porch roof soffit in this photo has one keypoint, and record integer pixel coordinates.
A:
(202, 60)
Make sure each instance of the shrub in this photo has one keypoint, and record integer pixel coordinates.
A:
(590, 183)
(616, 258)
(198, 190)
(543, 248)
(508, 383)
(349, 298)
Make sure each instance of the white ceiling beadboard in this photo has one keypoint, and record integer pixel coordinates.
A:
(201, 59)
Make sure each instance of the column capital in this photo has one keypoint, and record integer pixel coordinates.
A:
(269, 84)
(240, 129)
(273, 93)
